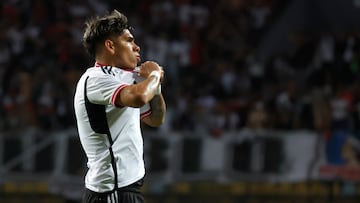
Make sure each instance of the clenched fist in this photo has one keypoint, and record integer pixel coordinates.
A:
(149, 66)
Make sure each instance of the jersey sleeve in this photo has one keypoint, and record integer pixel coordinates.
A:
(104, 89)
(145, 111)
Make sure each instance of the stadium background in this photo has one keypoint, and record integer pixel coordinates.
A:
(263, 99)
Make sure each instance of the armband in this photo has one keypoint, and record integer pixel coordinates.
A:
(158, 90)
(156, 74)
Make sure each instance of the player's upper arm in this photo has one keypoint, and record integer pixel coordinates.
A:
(130, 96)
(145, 115)
(150, 122)
(136, 95)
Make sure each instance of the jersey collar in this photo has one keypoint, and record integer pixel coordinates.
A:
(98, 65)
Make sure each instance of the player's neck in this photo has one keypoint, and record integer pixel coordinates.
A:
(99, 63)
(109, 61)
(103, 62)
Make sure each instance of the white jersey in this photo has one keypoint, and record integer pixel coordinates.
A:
(110, 135)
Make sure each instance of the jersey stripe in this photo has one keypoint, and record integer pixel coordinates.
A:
(103, 69)
(115, 94)
(145, 114)
(98, 122)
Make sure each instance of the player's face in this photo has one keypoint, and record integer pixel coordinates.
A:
(127, 52)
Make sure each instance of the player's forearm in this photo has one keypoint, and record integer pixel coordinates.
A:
(158, 110)
(149, 87)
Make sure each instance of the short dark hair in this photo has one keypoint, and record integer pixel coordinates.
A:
(98, 29)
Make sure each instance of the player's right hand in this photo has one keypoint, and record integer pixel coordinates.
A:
(149, 66)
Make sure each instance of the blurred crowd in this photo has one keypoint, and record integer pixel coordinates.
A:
(214, 80)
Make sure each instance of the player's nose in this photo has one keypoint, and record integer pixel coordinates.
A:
(136, 48)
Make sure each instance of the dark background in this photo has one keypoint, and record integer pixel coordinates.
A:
(273, 65)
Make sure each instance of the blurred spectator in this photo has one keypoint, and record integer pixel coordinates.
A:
(351, 153)
(214, 81)
(341, 104)
(257, 117)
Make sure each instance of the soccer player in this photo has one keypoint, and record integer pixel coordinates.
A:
(110, 100)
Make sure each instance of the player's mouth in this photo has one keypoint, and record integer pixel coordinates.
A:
(138, 59)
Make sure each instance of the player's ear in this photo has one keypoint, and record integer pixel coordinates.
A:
(109, 46)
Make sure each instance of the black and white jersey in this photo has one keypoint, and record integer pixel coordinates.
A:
(110, 134)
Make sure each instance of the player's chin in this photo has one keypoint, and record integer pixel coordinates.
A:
(133, 65)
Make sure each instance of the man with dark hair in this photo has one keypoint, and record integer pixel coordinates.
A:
(110, 100)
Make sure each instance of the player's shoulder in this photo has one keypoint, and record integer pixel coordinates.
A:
(100, 70)
(110, 73)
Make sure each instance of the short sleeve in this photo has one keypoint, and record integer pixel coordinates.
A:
(104, 89)
(145, 111)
